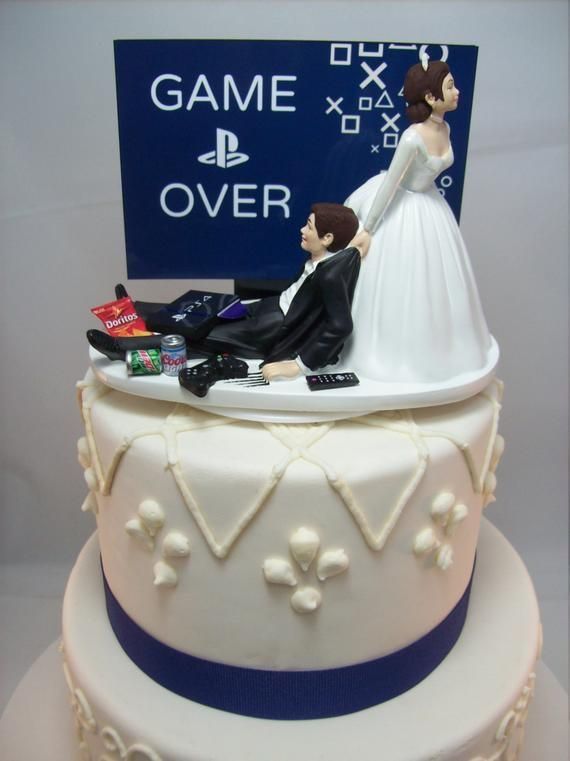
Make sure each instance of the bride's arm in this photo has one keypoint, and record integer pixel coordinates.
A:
(401, 161)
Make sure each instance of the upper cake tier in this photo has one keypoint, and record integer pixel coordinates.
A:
(287, 546)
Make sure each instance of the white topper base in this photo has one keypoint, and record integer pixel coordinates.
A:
(291, 401)
(472, 708)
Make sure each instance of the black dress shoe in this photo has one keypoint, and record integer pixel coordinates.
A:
(116, 348)
(106, 344)
(120, 291)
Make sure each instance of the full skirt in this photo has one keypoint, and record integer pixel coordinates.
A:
(416, 311)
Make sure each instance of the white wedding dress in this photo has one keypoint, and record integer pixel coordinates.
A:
(416, 310)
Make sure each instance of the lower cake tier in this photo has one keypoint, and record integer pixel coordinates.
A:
(471, 708)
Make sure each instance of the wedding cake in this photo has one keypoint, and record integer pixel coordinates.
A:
(279, 574)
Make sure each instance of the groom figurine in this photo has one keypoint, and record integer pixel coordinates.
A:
(301, 330)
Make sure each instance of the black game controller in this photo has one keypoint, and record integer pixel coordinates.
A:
(199, 378)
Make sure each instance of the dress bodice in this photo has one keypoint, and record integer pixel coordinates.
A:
(412, 168)
(424, 167)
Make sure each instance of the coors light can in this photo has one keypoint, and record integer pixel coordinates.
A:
(173, 354)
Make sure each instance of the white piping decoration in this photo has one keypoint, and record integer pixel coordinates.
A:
(90, 504)
(84, 719)
(444, 557)
(145, 527)
(304, 545)
(446, 515)
(306, 600)
(87, 395)
(331, 563)
(478, 477)
(83, 454)
(119, 751)
(175, 545)
(298, 440)
(84, 457)
(458, 514)
(164, 575)
(288, 437)
(152, 516)
(91, 479)
(441, 507)
(490, 483)
(426, 542)
(136, 528)
(408, 427)
(510, 734)
(493, 394)
(279, 571)
(86, 724)
(180, 420)
(221, 548)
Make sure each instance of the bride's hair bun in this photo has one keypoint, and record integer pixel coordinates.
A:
(418, 112)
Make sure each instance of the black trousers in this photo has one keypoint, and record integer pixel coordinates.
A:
(251, 336)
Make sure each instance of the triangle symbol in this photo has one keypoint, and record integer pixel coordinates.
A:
(384, 100)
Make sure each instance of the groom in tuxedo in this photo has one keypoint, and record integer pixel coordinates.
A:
(304, 328)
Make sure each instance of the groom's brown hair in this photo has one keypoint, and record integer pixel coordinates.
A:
(338, 220)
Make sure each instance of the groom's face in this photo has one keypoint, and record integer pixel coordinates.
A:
(310, 240)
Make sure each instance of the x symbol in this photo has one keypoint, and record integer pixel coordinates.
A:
(373, 75)
(374, 149)
(334, 105)
(390, 123)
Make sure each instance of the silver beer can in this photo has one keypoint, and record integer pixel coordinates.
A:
(173, 354)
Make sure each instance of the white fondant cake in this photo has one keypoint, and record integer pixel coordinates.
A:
(217, 535)
(292, 550)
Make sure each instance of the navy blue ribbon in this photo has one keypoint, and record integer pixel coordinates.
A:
(287, 694)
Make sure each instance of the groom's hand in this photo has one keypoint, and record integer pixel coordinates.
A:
(281, 370)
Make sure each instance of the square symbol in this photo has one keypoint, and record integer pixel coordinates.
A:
(350, 125)
(365, 104)
(341, 54)
(390, 139)
(376, 52)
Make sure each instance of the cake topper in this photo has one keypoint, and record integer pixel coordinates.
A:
(414, 333)
(416, 311)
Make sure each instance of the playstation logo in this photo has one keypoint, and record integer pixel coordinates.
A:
(226, 153)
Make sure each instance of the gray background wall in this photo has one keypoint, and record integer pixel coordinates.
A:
(62, 249)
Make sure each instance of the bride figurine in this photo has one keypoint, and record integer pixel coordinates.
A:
(416, 311)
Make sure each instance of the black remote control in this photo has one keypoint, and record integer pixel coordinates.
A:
(331, 380)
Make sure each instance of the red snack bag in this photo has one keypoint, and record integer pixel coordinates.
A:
(121, 319)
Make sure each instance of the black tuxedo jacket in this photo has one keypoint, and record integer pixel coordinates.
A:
(315, 327)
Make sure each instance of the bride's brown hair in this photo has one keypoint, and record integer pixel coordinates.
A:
(418, 84)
